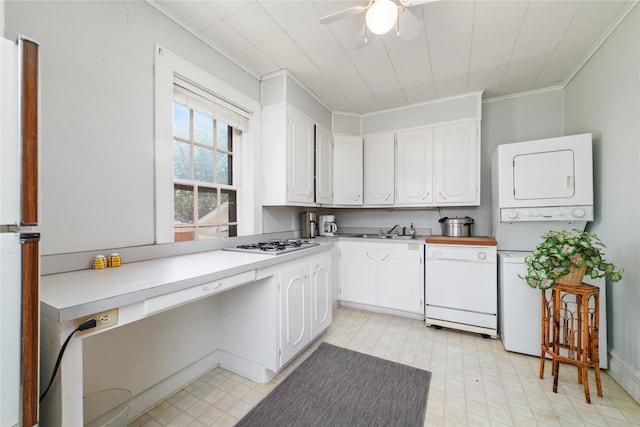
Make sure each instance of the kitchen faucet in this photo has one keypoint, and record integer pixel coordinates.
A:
(392, 228)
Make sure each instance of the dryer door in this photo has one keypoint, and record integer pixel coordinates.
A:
(544, 175)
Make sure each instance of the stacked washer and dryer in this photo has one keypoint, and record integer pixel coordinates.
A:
(537, 186)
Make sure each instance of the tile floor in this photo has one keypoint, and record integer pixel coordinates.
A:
(474, 382)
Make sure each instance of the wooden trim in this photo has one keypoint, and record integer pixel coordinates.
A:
(29, 97)
(30, 329)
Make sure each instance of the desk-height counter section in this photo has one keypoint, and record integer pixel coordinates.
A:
(174, 319)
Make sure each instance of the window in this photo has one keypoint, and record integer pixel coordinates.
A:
(204, 193)
(206, 137)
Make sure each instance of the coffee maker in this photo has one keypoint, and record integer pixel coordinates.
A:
(309, 225)
(327, 225)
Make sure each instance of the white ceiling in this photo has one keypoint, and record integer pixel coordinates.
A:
(500, 47)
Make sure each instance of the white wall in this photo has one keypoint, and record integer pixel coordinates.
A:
(604, 98)
(97, 165)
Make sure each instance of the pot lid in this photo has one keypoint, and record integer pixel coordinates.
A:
(458, 221)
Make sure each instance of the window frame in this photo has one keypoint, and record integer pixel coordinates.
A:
(168, 68)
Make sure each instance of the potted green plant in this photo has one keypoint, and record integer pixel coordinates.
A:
(563, 254)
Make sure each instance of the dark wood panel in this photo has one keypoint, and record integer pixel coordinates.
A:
(30, 323)
(29, 133)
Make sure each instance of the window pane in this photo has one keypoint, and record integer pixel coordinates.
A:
(228, 206)
(224, 168)
(183, 204)
(180, 160)
(207, 233)
(202, 164)
(202, 128)
(180, 121)
(231, 232)
(224, 135)
(184, 234)
(207, 206)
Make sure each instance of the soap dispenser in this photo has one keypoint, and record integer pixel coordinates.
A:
(412, 232)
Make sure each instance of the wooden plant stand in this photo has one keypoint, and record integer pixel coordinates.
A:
(570, 332)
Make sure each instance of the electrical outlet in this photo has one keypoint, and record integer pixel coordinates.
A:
(104, 319)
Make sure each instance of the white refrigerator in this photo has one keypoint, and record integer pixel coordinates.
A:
(19, 237)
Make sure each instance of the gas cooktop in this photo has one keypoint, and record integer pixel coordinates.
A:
(274, 247)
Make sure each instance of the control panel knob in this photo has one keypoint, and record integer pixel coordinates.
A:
(529, 214)
(560, 213)
(512, 214)
(482, 256)
(578, 213)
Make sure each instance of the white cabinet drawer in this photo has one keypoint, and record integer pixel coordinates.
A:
(174, 299)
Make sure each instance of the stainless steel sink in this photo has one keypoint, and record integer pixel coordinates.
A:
(381, 236)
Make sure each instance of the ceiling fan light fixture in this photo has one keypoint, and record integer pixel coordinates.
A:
(381, 16)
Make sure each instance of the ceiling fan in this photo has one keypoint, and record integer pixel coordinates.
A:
(381, 16)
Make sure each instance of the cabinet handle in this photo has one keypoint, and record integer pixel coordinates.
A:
(385, 257)
(357, 198)
(427, 195)
(387, 198)
(441, 195)
(369, 256)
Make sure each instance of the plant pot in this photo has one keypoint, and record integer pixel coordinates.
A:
(574, 277)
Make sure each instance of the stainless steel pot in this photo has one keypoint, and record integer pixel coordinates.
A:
(456, 227)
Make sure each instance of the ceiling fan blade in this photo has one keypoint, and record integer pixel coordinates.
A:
(408, 24)
(409, 3)
(355, 10)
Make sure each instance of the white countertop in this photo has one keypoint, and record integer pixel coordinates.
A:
(68, 296)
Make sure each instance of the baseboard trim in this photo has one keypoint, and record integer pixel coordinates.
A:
(383, 310)
(626, 375)
(248, 369)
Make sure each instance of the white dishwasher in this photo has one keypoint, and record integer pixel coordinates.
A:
(461, 286)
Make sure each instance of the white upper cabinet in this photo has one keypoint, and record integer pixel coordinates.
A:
(379, 176)
(347, 170)
(457, 164)
(324, 165)
(300, 164)
(288, 157)
(414, 167)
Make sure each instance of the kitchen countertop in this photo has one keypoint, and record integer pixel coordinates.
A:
(68, 296)
(468, 240)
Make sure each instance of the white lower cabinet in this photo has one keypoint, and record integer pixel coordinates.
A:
(357, 265)
(320, 286)
(401, 278)
(304, 289)
(386, 275)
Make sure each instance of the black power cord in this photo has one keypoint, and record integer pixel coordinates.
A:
(88, 324)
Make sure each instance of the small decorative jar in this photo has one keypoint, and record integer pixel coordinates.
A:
(99, 262)
(114, 260)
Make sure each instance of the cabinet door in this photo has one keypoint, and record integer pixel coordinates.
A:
(347, 169)
(379, 174)
(358, 274)
(324, 165)
(414, 167)
(300, 185)
(401, 278)
(320, 287)
(294, 311)
(457, 164)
